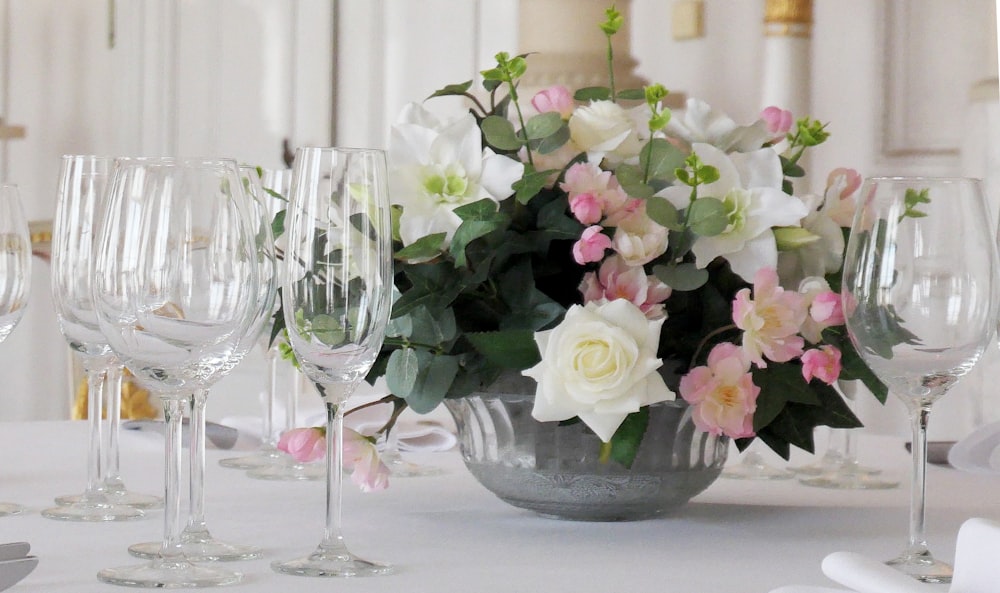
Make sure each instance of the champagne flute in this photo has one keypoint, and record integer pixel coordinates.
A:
(15, 275)
(177, 289)
(79, 205)
(336, 295)
(920, 299)
(197, 542)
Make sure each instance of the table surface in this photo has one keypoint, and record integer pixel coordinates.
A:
(447, 533)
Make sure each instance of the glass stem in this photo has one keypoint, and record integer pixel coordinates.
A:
(271, 436)
(196, 446)
(95, 408)
(113, 396)
(918, 420)
(173, 416)
(333, 539)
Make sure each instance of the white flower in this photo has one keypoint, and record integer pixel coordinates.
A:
(749, 185)
(599, 364)
(639, 240)
(698, 122)
(438, 166)
(605, 129)
(818, 258)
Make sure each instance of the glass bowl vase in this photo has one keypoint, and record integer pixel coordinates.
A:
(555, 469)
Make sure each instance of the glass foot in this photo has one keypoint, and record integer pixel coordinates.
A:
(177, 574)
(9, 508)
(259, 460)
(200, 546)
(290, 471)
(323, 563)
(401, 468)
(756, 471)
(125, 497)
(923, 567)
(93, 511)
(849, 479)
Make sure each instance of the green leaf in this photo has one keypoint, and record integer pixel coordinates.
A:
(423, 248)
(707, 217)
(554, 141)
(593, 93)
(453, 89)
(685, 276)
(630, 177)
(663, 213)
(853, 367)
(660, 159)
(434, 328)
(509, 349)
(543, 125)
(278, 224)
(528, 186)
(478, 220)
(437, 372)
(631, 95)
(626, 440)
(401, 372)
(500, 133)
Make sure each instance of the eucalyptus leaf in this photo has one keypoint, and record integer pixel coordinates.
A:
(593, 93)
(630, 177)
(685, 276)
(543, 125)
(437, 372)
(660, 159)
(631, 95)
(500, 133)
(401, 372)
(452, 89)
(554, 141)
(663, 213)
(707, 217)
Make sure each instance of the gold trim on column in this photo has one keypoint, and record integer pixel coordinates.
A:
(788, 18)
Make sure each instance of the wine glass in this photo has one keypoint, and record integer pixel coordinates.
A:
(274, 191)
(336, 294)
(197, 542)
(920, 299)
(177, 288)
(287, 467)
(79, 205)
(15, 275)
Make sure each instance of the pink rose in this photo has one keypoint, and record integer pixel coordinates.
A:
(771, 320)
(555, 98)
(304, 444)
(824, 307)
(591, 246)
(822, 363)
(723, 393)
(778, 122)
(603, 190)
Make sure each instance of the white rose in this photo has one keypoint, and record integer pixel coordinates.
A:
(599, 364)
(604, 129)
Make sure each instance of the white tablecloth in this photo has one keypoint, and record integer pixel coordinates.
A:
(447, 533)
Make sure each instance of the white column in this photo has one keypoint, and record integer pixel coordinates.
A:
(787, 55)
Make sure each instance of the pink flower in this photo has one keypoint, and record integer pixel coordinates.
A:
(555, 98)
(771, 320)
(824, 307)
(839, 202)
(304, 444)
(822, 363)
(638, 239)
(591, 246)
(601, 185)
(778, 121)
(586, 207)
(360, 455)
(618, 280)
(723, 393)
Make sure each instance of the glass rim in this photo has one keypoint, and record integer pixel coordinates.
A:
(924, 178)
(172, 161)
(349, 149)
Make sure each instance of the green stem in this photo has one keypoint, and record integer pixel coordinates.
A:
(477, 103)
(611, 69)
(704, 341)
(520, 118)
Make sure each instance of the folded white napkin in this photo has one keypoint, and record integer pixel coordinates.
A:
(976, 553)
(867, 575)
(979, 452)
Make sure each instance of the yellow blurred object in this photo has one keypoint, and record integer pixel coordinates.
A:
(135, 400)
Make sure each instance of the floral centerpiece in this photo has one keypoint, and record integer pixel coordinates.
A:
(597, 243)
